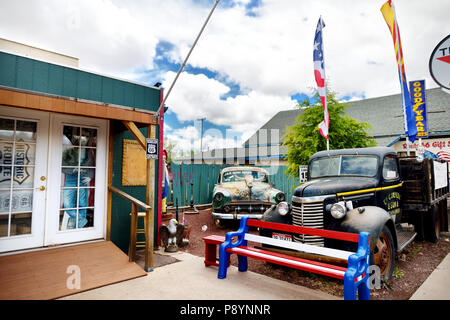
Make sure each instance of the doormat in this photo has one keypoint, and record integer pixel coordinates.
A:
(55, 273)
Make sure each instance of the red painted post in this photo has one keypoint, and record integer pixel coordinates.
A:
(160, 163)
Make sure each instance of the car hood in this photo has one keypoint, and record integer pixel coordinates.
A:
(238, 191)
(333, 185)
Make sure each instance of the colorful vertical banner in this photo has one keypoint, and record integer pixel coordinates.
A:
(409, 124)
(319, 74)
(419, 106)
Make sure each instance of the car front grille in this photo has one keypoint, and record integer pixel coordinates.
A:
(308, 214)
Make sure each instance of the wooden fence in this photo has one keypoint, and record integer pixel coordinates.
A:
(199, 180)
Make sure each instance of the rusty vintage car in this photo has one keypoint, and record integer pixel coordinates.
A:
(243, 191)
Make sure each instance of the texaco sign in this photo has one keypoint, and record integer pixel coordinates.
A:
(440, 63)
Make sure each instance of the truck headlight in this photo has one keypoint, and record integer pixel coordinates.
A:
(338, 210)
(283, 208)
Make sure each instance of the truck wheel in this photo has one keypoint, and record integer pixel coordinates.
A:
(383, 254)
(434, 225)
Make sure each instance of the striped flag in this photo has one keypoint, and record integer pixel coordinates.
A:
(444, 155)
(409, 126)
(319, 74)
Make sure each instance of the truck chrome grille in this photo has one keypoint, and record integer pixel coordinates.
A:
(308, 214)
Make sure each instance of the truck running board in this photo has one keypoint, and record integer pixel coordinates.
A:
(404, 238)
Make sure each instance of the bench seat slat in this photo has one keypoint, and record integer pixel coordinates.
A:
(289, 262)
(340, 254)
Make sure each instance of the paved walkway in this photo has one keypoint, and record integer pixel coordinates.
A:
(189, 279)
(437, 285)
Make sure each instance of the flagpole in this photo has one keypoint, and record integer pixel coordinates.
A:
(407, 146)
(187, 57)
(328, 143)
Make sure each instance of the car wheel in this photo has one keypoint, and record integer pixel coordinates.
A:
(383, 254)
(433, 227)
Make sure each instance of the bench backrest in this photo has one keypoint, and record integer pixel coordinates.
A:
(352, 237)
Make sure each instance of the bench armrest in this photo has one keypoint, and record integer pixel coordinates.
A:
(358, 263)
(240, 233)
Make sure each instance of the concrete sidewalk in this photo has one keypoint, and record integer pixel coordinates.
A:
(189, 279)
(437, 285)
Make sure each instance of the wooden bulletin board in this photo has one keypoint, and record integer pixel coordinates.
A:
(134, 164)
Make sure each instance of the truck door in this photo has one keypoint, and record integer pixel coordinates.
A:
(389, 196)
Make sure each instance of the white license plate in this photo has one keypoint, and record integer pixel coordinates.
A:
(282, 236)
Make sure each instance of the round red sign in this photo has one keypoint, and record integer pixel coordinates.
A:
(440, 63)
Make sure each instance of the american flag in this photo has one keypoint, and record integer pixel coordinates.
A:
(444, 155)
(319, 74)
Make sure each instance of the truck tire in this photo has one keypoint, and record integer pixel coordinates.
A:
(433, 226)
(383, 254)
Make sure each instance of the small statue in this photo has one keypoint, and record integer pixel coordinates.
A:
(171, 235)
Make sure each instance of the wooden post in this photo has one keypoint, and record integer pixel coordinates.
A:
(133, 229)
(150, 199)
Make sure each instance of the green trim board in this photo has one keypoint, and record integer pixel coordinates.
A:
(38, 76)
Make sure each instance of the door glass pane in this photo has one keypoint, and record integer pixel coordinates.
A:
(4, 201)
(6, 129)
(22, 200)
(77, 178)
(71, 136)
(17, 163)
(87, 177)
(26, 130)
(89, 137)
(6, 152)
(23, 177)
(87, 158)
(86, 197)
(70, 156)
(5, 177)
(20, 224)
(25, 153)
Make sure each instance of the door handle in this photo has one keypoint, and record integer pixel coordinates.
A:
(41, 188)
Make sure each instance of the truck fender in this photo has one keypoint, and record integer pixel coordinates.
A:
(371, 220)
(272, 215)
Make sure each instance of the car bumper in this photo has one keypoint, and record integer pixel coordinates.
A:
(235, 216)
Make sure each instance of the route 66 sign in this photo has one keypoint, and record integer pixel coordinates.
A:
(151, 150)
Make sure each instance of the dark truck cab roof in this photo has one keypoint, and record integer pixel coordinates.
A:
(327, 185)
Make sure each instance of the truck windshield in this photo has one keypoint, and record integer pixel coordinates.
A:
(344, 165)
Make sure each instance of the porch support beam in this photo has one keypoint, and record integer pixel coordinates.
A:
(137, 134)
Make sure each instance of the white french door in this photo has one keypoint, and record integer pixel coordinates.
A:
(52, 179)
(77, 170)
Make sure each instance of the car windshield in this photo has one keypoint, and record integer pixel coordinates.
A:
(239, 175)
(344, 165)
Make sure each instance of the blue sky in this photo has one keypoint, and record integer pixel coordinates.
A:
(253, 59)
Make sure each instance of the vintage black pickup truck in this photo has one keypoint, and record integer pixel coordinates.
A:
(395, 199)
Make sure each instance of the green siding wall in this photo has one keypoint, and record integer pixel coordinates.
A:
(121, 208)
(34, 75)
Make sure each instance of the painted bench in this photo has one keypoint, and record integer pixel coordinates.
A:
(211, 244)
(355, 275)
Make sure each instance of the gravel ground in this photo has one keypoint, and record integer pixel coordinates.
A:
(413, 265)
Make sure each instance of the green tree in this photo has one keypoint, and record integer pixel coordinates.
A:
(303, 139)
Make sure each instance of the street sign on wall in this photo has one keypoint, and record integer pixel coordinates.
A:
(439, 63)
(151, 150)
